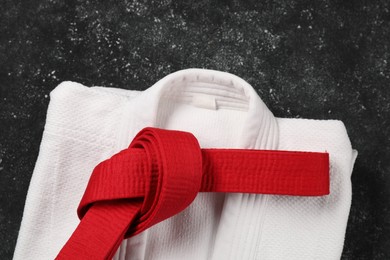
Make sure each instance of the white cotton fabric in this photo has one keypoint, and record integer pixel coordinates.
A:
(87, 125)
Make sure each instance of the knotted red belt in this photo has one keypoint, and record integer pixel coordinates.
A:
(161, 173)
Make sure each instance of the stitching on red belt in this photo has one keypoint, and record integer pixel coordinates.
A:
(160, 174)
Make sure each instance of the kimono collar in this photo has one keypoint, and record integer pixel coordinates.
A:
(212, 90)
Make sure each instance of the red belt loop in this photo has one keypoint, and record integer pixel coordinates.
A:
(160, 174)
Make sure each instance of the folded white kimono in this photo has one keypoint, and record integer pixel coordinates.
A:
(87, 125)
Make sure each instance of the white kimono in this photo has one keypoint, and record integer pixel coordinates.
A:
(86, 125)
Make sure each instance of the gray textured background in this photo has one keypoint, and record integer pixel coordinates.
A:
(309, 59)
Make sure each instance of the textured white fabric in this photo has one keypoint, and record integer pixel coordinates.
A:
(87, 125)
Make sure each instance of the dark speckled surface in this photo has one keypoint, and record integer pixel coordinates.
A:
(323, 60)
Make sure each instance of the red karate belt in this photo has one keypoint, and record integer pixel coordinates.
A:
(161, 173)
